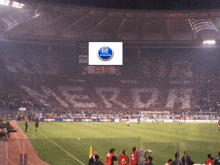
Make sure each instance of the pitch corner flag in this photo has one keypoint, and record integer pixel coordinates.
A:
(90, 152)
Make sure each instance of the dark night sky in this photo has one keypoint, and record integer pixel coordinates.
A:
(144, 4)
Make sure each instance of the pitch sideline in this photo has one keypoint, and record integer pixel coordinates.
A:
(61, 148)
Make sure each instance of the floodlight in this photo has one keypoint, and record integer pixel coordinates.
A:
(209, 42)
(17, 5)
(5, 2)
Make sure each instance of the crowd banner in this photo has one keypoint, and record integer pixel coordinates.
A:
(49, 120)
(168, 121)
(68, 120)
(76, 120)
(125, 120)
(201, 121)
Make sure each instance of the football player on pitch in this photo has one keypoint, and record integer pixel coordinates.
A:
(36, 125)
(128, 122)
(219, 124)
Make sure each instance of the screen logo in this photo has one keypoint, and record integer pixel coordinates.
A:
(105, 53)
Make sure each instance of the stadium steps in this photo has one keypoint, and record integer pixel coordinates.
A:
(3, 152)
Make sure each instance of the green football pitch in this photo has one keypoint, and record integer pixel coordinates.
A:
(69, 143)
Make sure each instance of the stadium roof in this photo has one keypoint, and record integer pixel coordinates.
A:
(49, 22)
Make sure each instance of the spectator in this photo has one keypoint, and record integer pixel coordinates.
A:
(169, 162)
(123, 159)
(97, 162)
(111, 157)
(176, 161)
(149, 161)
(217, 159)
(209, 161)
(92, 159)
(185, 159)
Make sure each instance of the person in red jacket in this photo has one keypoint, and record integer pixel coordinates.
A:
(123, 159)
(133, 157)
(111, 157)
(209, 161)
(169, 162)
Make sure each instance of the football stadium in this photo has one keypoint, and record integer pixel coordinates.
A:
(91, 85)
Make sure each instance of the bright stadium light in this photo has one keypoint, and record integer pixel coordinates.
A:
(5, 2)
(209, 42)
(17, 5)
(36, 15)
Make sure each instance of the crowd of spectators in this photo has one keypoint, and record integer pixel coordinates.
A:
(207, 102)
(204, 98)
(167, 74)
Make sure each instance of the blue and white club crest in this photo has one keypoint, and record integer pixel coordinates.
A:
(105, 53)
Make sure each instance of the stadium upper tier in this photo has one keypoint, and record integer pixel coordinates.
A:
(66, 22)
(44, 48)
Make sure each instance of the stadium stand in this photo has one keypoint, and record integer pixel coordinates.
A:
(165, 67)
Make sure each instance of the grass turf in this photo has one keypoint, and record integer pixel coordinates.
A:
(57, 143)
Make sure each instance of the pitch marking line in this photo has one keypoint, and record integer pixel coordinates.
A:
(62, 149)
(18, 143)
(11, 161)
(68, 153)
(43, 135)
(34, 136)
